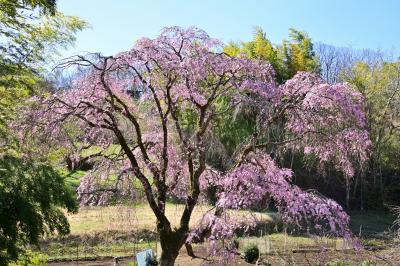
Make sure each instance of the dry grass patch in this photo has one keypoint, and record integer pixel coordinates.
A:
(137, 218)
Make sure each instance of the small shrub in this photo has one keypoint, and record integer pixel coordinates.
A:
(372, 242)
(251, 253)
(339, 263)
(367, 263)
(31, 258)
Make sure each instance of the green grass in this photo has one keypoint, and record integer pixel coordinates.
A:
(112, 149)
(118, 230)
(122, 230)
(57, 251)
(73, 179)
(345, 263)
(280, 242)
(136, 218)
(371, 223)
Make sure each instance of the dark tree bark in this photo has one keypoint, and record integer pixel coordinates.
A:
(171, 243)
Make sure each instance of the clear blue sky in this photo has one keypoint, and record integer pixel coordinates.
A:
(357, 23)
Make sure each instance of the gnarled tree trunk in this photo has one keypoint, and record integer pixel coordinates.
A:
(171, 243)
(168, 259)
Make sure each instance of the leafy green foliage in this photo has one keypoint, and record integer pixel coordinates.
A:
(293, 55)
(233, 128)
(31, 192)
(367, 263)
(30, 38)
(379, 83)
(32, 259)
(297, 54)
(338, 263)
(12, 8)
(31, 195)
(381, 88)
(251, 253)
(27, 45)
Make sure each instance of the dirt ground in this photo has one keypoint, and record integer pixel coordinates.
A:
(389, 257)
(182, 260)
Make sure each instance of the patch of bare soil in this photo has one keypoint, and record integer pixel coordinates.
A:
(202, 253)
(389, 257)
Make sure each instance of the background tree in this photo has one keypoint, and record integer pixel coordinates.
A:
(31, 197)
(293, 55)
(299, 54)
(380, 85)
(31, 192)
(160, 139)
(12, 8)
(337, 62)
(375, 75)
(28, 44)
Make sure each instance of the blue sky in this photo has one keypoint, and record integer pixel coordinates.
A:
(115, 25)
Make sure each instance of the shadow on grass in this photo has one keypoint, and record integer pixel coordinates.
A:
(371, 223)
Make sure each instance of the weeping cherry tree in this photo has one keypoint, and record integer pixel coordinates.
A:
(159, 139)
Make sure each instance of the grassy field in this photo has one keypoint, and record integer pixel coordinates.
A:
(121, 230)
(371, 223)
(137, 218)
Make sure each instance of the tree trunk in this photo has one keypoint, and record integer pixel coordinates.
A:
(362, 191)
(171, 242)
(167, 258)
(189, 250)
(347, 194)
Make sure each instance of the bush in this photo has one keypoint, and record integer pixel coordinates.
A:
(36, 196)
(251, 253)
(30, 258)
(367, 263)
(339, 263)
